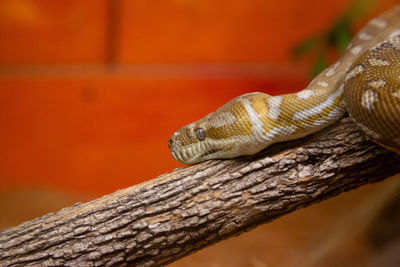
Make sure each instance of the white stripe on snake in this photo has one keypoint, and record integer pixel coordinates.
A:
(365, 81)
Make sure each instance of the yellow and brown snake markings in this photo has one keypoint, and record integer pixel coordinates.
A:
(365, 81)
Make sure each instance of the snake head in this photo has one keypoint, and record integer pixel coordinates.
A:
(193, 143)
(225, 133)
(189, 145)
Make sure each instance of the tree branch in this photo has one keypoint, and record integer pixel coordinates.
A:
(162, 220)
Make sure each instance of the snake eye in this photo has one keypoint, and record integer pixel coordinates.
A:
(200, 134)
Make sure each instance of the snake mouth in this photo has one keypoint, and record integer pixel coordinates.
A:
(178, 156)
(207, 154)
(210, 149)
(193, 154)
(186, 157)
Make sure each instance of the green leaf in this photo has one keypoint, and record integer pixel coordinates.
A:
(337, 36)
(305, 46)
(340, 35)
(321, 63)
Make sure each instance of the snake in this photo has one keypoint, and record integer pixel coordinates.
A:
(365, 82)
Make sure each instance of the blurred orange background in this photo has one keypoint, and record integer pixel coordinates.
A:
(90, 91)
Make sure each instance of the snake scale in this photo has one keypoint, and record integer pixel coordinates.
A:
(365, 81)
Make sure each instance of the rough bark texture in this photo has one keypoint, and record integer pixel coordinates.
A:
(162, 220)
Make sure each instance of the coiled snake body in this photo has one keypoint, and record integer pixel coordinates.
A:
(365, 81)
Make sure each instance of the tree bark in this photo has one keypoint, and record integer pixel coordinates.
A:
(162, 220)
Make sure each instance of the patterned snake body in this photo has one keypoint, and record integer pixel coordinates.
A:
(365, 81)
